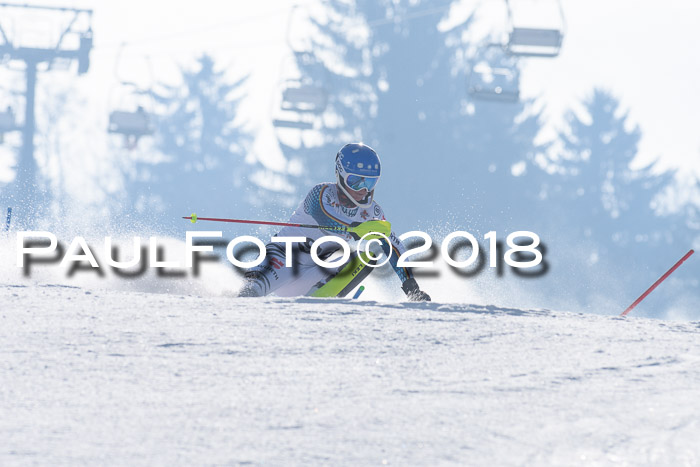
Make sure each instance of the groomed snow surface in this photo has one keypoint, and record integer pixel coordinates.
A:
(92, 376)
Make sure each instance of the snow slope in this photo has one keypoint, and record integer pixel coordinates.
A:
(131, 378)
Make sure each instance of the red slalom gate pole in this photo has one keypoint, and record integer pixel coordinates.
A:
(656, 284)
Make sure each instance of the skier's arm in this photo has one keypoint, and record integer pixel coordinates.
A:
(408, 282)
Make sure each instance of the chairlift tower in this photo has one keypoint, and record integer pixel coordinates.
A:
(27, 197)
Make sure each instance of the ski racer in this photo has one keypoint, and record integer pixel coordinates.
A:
(347, 202)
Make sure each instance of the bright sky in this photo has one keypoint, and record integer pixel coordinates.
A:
(644, 52)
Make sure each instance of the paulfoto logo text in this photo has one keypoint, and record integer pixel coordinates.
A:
(34, 247)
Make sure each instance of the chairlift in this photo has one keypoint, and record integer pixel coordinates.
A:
(126, 123)
(537, 39)
(132, 124)
(301, 103)
(300, 106)
(495, 84)
(298, 124)
(495, 77)
(304, 98)
(84, 55)
(7, 122)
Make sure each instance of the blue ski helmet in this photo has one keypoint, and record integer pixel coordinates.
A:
(357, 167)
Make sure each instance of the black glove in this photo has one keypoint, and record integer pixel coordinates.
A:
(413, 292)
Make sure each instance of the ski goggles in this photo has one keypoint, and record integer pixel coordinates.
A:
(358, 182)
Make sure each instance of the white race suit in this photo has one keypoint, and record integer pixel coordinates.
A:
(320, 207)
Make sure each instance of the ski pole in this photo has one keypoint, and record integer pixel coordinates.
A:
(656, 284)
(193, 218)
(356, 230)
(359, 292)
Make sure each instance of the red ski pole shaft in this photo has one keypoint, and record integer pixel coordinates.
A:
(656, 284)
(194, 218)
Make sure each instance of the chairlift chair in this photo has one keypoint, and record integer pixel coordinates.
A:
(7, 122)
(500, 84)
(85, 47)
(132, 125)
(293, 124)
(304, 98)
(301, 104)
(532, 40)
(496, 76)
(293, 117)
